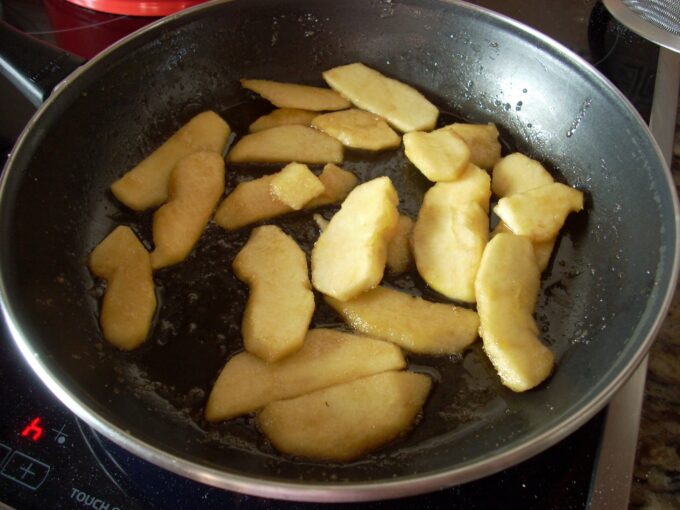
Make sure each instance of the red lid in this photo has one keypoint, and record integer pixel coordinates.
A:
(137, 8)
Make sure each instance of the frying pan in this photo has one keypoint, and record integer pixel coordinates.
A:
(603, 297)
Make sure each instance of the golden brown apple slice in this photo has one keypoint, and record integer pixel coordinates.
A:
(327, 357)
(252, 201)
(450, 234)
(358, 129)
(482, 140)
(410, 322)
(296, 185)
(441, 155)
(146, 185)
(402, 106)
(292, 95)
(349, 256)
(283, 117)
(130, 301)
(343, 422)
(539, 213)
(399, 256)
(196, 184)
(281, 301)
(284, 144)
(507, 284)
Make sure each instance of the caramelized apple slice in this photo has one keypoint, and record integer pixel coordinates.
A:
(284, 144)
(130, 301)
(358, 129)
(343, 422)
(410, 322)
(196, 184)
(482, 140)
(281, 301)
(146, 185)
(296, 185)
(441, 155)
(399, 104)
(283, 117)
(292, 95)
(327, 357)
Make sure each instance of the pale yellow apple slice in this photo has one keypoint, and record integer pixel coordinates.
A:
(196, 184)
(146, 185)
(327, 357)
(482, 140)
(539, 213)
(542, 249)
(402, 106)
(358, 129)
(253, 201)
(283, 117)
(516, 173)
(343, 422)
(441, 155)
(281, 301)
(399, 256)
(284, 144)
(417, 325)
(296, 185)
(337, 183)
(349, 256)
(450, 234)
(293, 95)
(507, 284)
(130, 301)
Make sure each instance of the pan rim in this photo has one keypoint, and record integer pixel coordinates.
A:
(347, 492)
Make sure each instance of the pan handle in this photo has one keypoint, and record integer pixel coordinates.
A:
(31, 65)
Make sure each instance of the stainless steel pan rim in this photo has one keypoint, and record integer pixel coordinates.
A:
(372, 490)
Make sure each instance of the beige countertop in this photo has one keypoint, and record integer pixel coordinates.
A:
(656, 483)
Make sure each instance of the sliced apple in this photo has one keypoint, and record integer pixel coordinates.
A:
(516, 173)
(146, 185)
(482, 140)
(284, 144)
(281, 301)
(327, 357)
(358, 129)
(441, 155)
(399, 256)
(402, 106)
(130, 301)
(196, 184)
(343, 422)
(283, 117)
(337, 183)
(450, 234)
(296, 185)
(253, 201)
(412, 323)
(542, 249)
(507, 285)
(349, 256)
(539, 213)
(292, 95)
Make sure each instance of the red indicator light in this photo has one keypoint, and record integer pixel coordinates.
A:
(33, 430)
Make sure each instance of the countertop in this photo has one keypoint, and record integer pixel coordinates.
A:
(656, 483)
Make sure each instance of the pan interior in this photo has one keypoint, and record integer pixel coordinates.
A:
(599, 299)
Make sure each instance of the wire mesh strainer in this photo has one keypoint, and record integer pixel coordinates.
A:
(656, 20)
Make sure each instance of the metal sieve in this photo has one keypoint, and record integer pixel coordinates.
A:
(656, 20)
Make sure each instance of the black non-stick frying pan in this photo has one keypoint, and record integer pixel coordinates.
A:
(602, 300)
